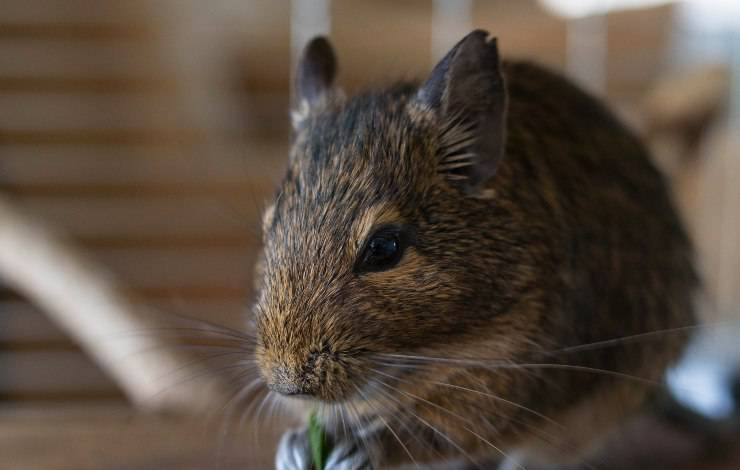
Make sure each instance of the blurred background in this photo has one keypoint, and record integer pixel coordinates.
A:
(146, 135)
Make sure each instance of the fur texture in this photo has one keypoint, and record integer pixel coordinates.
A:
(463, 348)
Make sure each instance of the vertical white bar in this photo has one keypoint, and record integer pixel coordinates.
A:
(308, 18)
(451, 20)
(586, 51)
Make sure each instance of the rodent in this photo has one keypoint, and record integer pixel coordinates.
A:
(452, 264)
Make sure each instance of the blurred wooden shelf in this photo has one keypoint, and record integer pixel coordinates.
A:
(109, 436)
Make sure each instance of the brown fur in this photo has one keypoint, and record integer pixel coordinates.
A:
(573, 241)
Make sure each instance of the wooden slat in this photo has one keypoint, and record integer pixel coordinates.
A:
(187, 216)
(60, 112)
(18, 346)
(61, 397)
(89, 31)
(175, 294)
(117, 438)
(49, 373)
(70, 59)
(124, 137)
(21, 322)
(85, 84)
(252, 163)
(172, 267)
(189, 293)
(237, 241)
(73, 11)
(266, 114)
(213, 190)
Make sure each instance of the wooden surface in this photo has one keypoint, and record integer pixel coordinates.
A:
(103, 436)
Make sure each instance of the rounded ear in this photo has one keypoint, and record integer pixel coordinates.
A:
(467, 93)
(316, 70)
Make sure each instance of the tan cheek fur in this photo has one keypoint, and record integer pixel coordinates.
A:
(268, 217)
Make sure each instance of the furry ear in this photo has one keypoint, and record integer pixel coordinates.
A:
(315, 74)
(467, 93)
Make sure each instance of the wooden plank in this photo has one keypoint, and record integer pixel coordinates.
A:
(126, 137)
(251, 162)
(117, 438)
(60, 31)
(236, 191)
(21, 322)
(42, 372)
(85, 84)
(60, 112)
(173, 267)
(117, 217)
(72, 11)
(71, 59)
(175, 294)
(172, 270)
(265, 114)
(238, 241)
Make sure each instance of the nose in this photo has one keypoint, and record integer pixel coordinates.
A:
(288, 389)
(289, 383)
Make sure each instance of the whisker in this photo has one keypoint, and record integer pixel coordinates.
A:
(258, 413)
(405, 422)
(200, 374)
(503, 365)
(429, 425)
(479, 392)
(641, 336)
(455, 415)
(227, 409)
(197, 348)
(387, 426)
(177, 329)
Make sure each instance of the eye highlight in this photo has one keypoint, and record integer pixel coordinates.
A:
(382, 250)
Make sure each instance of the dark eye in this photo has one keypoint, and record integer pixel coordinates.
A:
(382, 251)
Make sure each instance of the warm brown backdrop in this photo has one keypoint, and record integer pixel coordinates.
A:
(151, 132)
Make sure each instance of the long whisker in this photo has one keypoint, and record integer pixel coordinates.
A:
(247, 363)
(199, 374)
(453, 414)
(508, 365)
(429, 425)
(388, 427)
(479, 392)
(350, 409)
(405, 422)
(639, 337)
(584, 347)
(228, 409)
(175, 330)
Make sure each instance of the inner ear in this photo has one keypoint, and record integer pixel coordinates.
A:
(315, 74)
(466, 91)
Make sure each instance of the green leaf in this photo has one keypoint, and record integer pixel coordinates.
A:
(317, 440)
